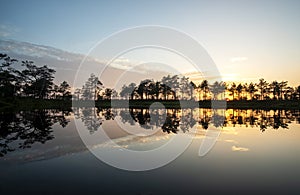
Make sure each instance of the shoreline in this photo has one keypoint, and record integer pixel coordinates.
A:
(29, 104)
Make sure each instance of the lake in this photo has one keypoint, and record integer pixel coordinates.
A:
(55, 151)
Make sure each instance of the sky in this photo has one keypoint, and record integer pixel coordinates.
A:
(247, 40)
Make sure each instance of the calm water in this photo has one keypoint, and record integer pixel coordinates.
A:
(257, 152)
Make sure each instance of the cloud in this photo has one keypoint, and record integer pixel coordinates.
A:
(7, 30)
(133, 140)
(239, 149)
(198, 77)
(229, 131)
(230, 141)
(238, 59)
(123, 63)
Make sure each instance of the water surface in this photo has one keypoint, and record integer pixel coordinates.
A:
(256, 152)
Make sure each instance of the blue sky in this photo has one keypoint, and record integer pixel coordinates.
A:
(246, 39)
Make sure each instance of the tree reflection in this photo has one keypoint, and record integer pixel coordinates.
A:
(93, 117)
(204, 119)
(187, 120)
(126, 116)
(23, 129)
(217, 120)
(263, 119)
(171, 124)
(184, 119)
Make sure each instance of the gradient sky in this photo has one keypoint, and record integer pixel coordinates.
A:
(246, 39)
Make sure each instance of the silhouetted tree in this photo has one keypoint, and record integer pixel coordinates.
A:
(298, 92)
(275, 89)
(239, 90)
(8, 78)
(154, 89)
(251, 90)
(192, 88)
(204, 88)
(37, 81)
(282, 88)
(232, 90)
(217, 88)
(157, 89)
(143, 88)
(184, 87)
(244, 95)
(65, 91)
(170, 86)
(262, 85)
(109, 93)
(77, 94)
(128, 91)
(92, 87)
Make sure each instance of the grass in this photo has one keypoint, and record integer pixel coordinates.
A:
(29, 104)
(237, 104)
(265, 104)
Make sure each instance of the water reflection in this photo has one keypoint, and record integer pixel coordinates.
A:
(23, 129)
(171, 124)
(93, 117)
(262, 118)
(174, 120)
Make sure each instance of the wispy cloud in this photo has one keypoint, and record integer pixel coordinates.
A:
(239, 149)
(230, 131)
(197, 77)
(125, 64)
(7, 30)
(230, 141)
(238, 59)
(132, 141)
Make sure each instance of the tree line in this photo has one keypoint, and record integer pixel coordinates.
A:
(30, 80)
(263, 90)
(178, 87)
(168, 88)
(181, 88)
(26, 80)
(93, 89)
